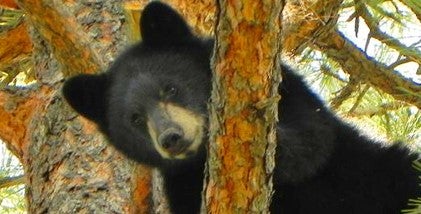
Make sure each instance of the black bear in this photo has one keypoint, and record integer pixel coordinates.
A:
(152, 105)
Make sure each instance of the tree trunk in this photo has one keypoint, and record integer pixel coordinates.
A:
(69, 167)
(244, 104)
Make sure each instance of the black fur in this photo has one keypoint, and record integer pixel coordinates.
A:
(323, 164)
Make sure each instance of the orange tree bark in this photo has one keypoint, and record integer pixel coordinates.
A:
(17, 109)
(14, 45)
(68, 166)
(313, 24)
(60, 28)
(243, 111)
(8, 4)
(200, 14)
(66, 160)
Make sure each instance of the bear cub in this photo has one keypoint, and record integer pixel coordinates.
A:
(152, 106)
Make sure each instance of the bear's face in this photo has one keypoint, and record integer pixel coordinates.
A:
(160, 100)
(152, 102)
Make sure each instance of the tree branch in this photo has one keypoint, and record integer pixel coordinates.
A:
(375, 110)
(16, 110)
(359, 98)
(356, 63)
(11, 181)
(8, 4)
(15, 45)
(415, 7)
(298, 32)
(243, 111)
(61, 30)
(345, 93)
(375, 32)
(317, 30)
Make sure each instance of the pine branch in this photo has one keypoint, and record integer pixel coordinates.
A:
(356, 63)
(345, 93)
(411, 52)
(302, 22)
(327, 71)
(9, 18)
(414, 6)
(11, 181)
(359, 98)
(11, 71)
(375, 110)
(399, 62)
(317, 30)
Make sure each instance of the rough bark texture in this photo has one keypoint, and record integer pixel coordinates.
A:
(69, 167)
(312, 24)
(18, 108)
(11, 181)
(244, 107)
(302, 21)
(59, 27)
(14, 45)
(8, 4)
(200, 14)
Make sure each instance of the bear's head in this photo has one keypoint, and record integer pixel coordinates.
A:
(152, 102)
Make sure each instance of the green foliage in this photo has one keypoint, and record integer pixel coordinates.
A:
(390, 37)
(11, 198)
(10, 18)
(370, 109)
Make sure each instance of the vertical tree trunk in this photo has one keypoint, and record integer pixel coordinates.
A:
(244, 106)
(68, 165)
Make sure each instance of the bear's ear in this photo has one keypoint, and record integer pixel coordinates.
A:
(161, 25)
(87, 95)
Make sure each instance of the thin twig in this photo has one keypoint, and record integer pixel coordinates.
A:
(11, 181)
(376, 33)
(359, 98)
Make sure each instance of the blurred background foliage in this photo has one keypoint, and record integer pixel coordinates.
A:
(12, 188)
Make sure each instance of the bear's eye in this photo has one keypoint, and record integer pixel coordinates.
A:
(170, 91)
(137, 119)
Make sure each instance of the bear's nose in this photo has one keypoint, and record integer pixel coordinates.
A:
(171, 140)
